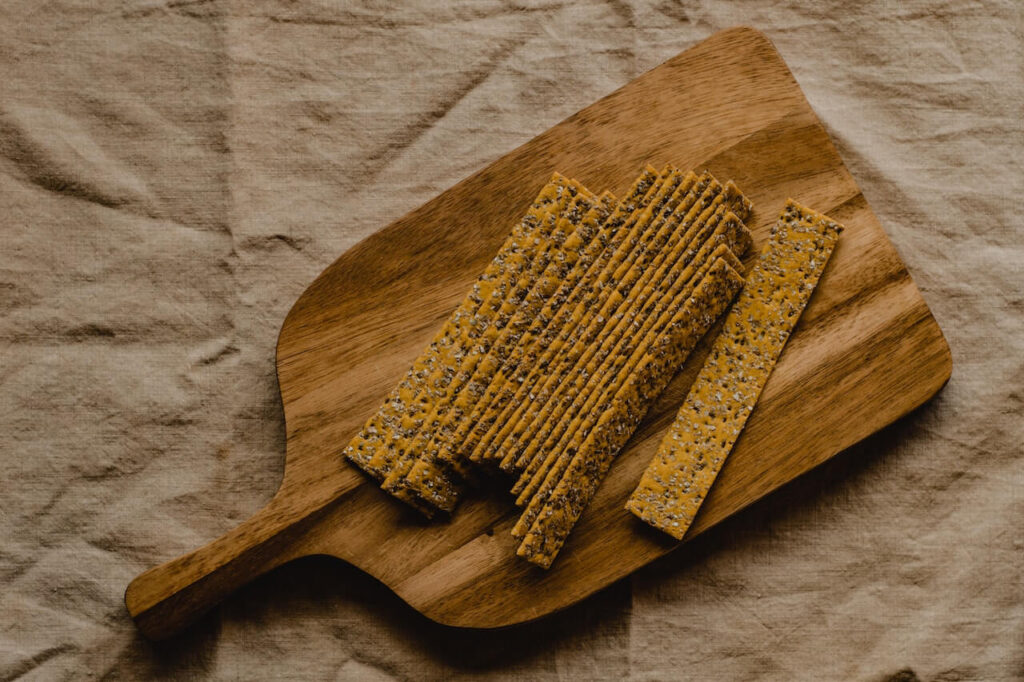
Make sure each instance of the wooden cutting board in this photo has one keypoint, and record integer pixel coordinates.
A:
(866, 352)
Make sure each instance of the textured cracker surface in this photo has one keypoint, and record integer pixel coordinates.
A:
(552, 318)
(586, 321)
(520, 273)
(372, 449)
(699, 257)
(428, 477)
(608, 325)
(563, 326)
(175, 174)
(572, 488)
(429, 472)
(741, 359)
(612, 286)
(687, 236)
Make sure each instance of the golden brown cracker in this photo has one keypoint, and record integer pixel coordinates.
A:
(570, 496)
(741, 359)
(365, 447)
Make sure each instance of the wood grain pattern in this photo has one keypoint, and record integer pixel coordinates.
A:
(865, 352)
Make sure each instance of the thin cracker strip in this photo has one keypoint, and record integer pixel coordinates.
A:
(579, 483)
(502, 389)
(637, 196)
(633, 270)
(681, 307)
(524, 268)
(728, 237)
(585, 416)
(551, 200)
(693, 228)
(604, 293)
(597, 292)
(572, 317)
(427, 478)
(701, 239)
(691, 232)
(520, 269)
(525, 361)
(741, 359)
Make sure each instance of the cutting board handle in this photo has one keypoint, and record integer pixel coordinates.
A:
(165, 599)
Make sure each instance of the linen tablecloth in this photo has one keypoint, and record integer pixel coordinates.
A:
(174, 173)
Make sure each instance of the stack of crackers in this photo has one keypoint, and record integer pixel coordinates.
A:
(589, 308)
(547, 366)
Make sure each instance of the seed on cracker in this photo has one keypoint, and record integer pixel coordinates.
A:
(602, 393)
(609, 305)
(591, 314)
(544, 327)
(684, 266)
(683, 243)
(427, 476)
(429, 413)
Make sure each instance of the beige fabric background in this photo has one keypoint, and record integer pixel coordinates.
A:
(172, 176)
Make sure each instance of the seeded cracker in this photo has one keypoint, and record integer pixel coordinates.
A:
(641, 312)
(675, 228)
(370, 440)
(729, 236)
(522, 270)
(429, 477)
(586, 320)
(564, 348)
(554, 318)
(569, 318)
(742, 357)
(609, 306)
(545, 479)
(589, 413)
(517, 266)
(555, 415)
(580, 481)
(485, 408)
(688, 228)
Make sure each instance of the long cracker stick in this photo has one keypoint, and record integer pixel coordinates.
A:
(569, 318)
(742, 358)
(426, 477)
(692, 229)
(572, 494)
(728, 237)
(484, 388)
(634, 268)
(560, 457)
(555, 316)
(605, 292)
(529, 263)
(559, 453)
(551, 200)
